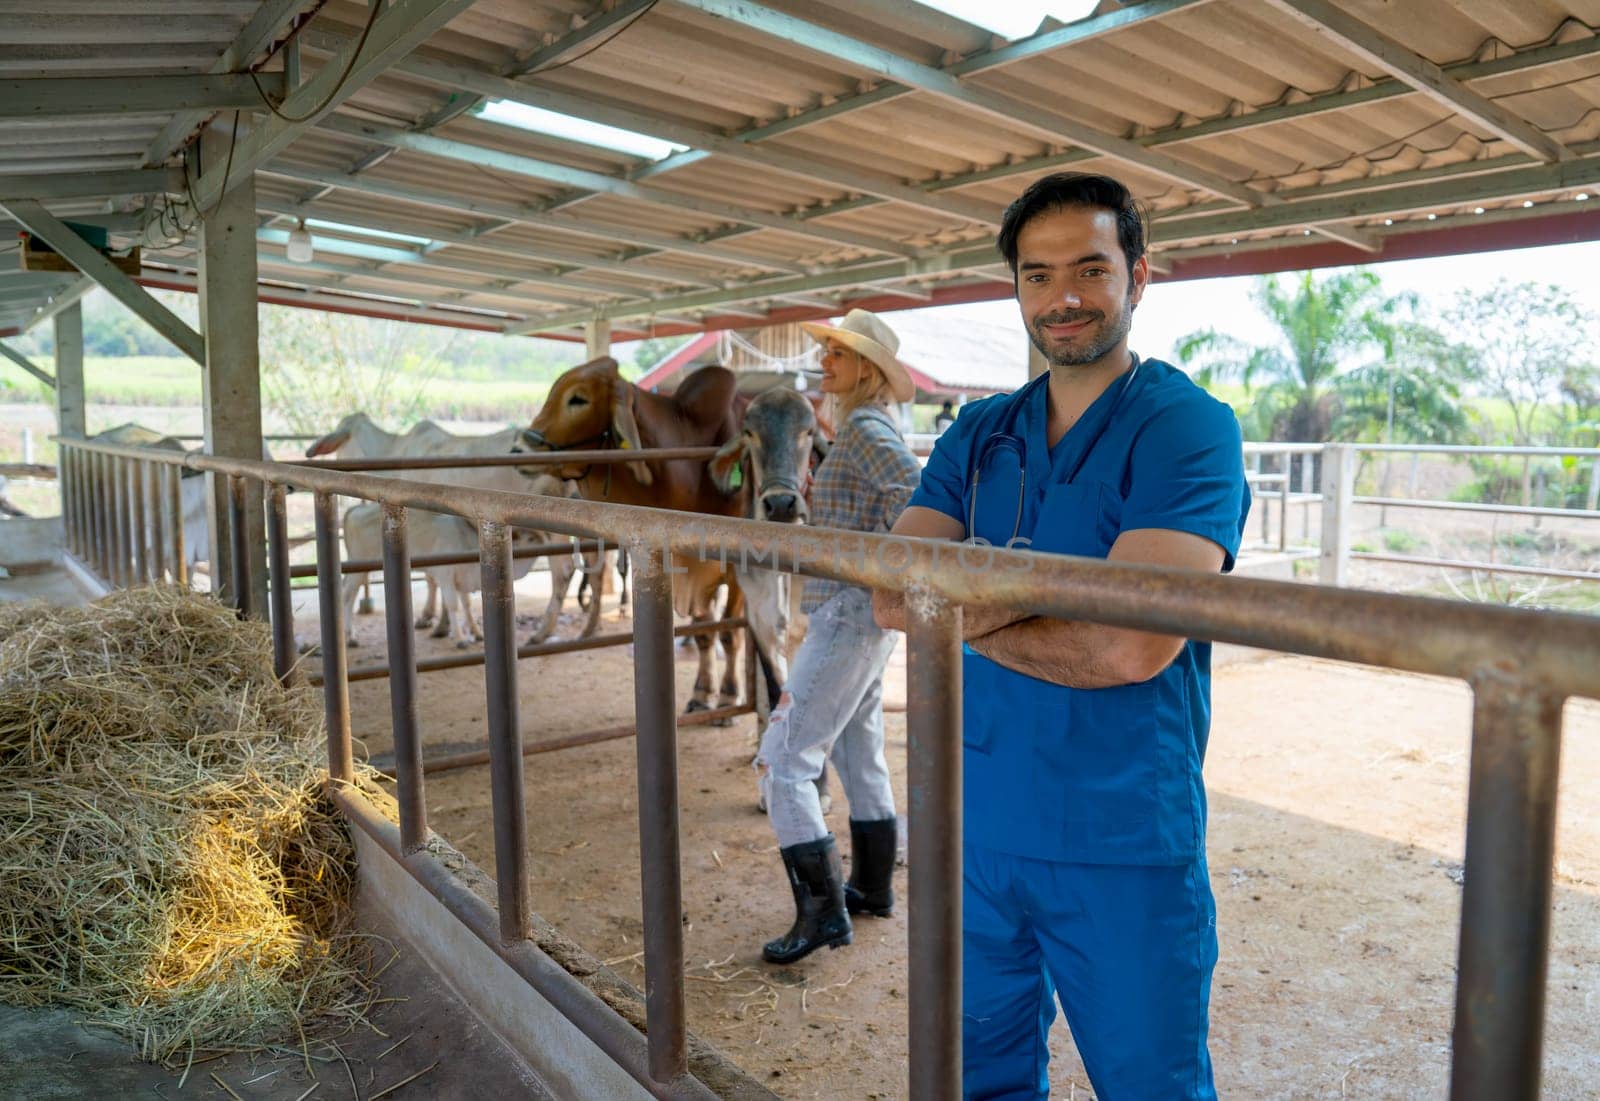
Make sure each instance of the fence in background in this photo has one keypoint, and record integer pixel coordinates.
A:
(1521, 666)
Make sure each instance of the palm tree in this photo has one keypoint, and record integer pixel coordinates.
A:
(1338, 335)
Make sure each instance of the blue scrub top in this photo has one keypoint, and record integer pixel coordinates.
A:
(1108, 775)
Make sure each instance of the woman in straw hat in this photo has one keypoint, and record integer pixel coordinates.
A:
(834, 702)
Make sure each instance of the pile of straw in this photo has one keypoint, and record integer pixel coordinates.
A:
(168, 864)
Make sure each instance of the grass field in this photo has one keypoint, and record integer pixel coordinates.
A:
(175, 381)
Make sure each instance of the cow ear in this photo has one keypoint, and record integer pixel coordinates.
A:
(626, 428)
(727, 466)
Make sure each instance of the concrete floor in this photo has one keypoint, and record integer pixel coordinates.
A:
(51, 585)
(45, 1055)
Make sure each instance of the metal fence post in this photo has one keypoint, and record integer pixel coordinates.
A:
(1505, 906)
(1593, 502)
(180, 549)
(281, 592)
(655, 715)
(238, 539)
(505, 733)
(119, 523)
(403, 680)
(155, 546)
(1283, 498)
(1338, 487)
(335, 689)
(933, 781)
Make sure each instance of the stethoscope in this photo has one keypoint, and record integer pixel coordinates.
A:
(1001, 442)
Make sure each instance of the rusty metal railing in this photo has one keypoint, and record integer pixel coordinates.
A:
(1521, 666)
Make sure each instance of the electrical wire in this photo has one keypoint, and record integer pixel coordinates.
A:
(344, 78)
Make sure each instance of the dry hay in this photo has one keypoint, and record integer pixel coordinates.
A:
(168, 864)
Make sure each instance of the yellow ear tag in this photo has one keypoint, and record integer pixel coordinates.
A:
(622, 443)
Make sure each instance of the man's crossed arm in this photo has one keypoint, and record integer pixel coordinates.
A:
(1069, 652)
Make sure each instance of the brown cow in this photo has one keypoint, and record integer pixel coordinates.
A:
(593, 407)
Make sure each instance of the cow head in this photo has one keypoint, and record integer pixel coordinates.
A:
(333, 441)
(776, 439)
(589, 408)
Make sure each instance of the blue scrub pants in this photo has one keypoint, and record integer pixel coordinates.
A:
(1129, 950)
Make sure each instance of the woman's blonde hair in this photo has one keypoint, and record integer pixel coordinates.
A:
(871, 388)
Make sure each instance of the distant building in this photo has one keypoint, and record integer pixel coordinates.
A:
(949, 358)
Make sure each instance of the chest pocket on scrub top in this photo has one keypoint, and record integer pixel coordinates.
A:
(1081, 518)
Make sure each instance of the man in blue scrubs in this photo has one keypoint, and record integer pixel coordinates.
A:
(1084, 851)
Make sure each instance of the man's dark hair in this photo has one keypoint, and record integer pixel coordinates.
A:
(1074, 189)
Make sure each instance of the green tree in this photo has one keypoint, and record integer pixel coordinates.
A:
(318, 366)
(1526, 338)
(1344, 347)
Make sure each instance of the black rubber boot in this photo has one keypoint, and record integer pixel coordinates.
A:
(819, 914)
(872, 852)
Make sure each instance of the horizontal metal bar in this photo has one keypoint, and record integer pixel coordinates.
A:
(1557, 651)
(1285, 448)
(532, 458)
(612, 1033)
(423, 561)
(57, 97)
(1483, 567)
(384, 762)
(1474, 449)
(536, 650)
(1466, 506)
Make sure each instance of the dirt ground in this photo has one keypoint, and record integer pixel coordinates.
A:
(1335, 848)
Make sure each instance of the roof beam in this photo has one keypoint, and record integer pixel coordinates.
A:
(253, 40)
(1010, 110)
(1377, 48)
(396, 31)
(88, 260)
(1582, 172)
(1525, 61)
(599, 26)
(92, 185)
(485, 243)
(341, 300)
(567, 176)
(59, 302)
(1313, 211)
(522, 215)
(622, 116)
(1083, 30)
(75, 97)
(886, 271)
(565, 286)
(27, 364)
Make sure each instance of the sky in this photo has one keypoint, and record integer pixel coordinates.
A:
(1172, 310)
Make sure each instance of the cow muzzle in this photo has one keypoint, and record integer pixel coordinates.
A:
(783, 507)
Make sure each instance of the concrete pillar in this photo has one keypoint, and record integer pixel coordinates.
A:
(69, 371)
(231, 388)
(1338, 487)
(597, 338)
(1037, 364)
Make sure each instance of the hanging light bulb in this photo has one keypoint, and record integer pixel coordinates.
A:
(299, 249)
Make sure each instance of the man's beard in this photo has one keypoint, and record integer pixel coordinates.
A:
(1101, 338)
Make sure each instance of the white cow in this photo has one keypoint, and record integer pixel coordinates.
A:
(357, 437)
(191, 486)
(432, 533)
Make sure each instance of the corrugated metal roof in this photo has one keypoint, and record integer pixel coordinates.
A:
(839, 153)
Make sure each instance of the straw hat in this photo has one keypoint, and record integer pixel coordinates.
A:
(869, 335)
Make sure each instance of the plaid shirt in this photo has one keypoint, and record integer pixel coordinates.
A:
(863, 485)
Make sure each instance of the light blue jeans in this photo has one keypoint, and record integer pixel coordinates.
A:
(833, 706)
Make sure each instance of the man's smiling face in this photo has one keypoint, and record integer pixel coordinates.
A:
(1074, 287)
